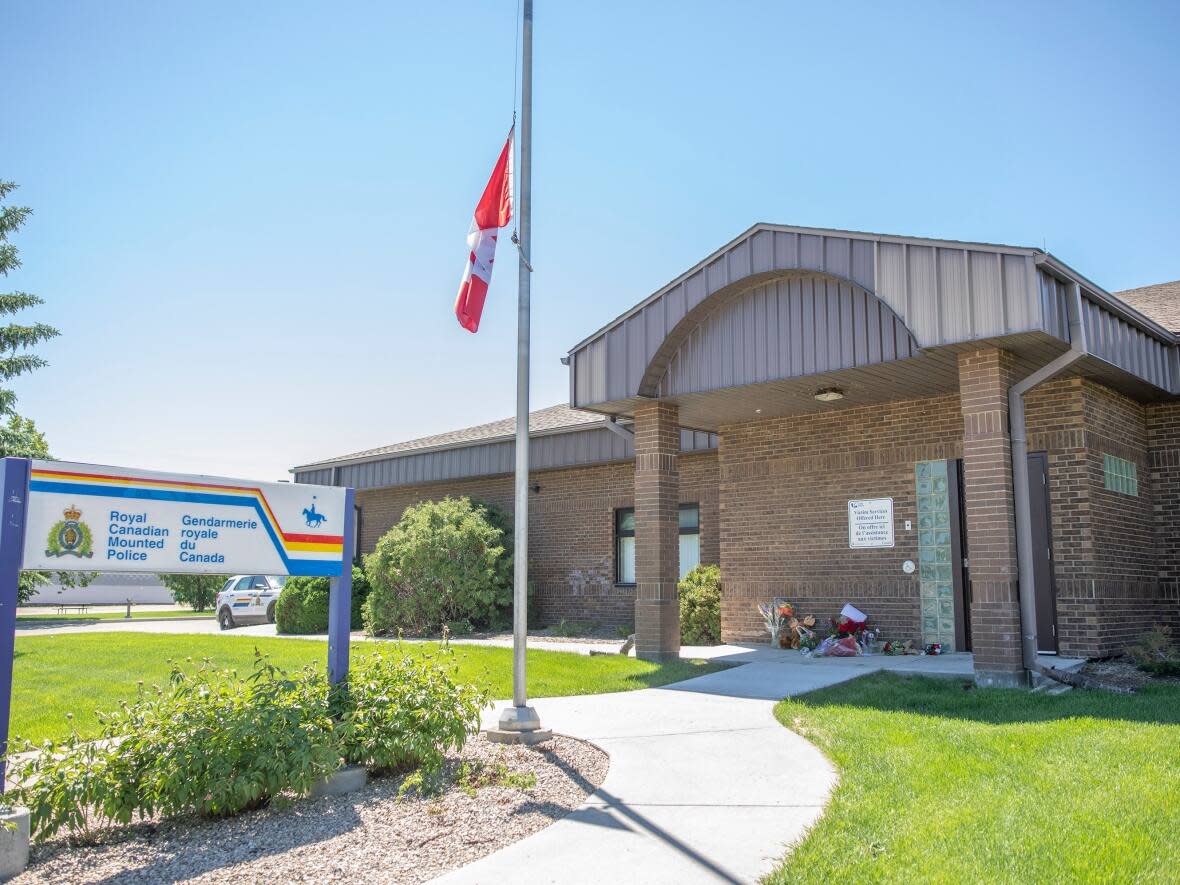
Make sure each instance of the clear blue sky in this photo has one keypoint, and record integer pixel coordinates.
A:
(250, 217)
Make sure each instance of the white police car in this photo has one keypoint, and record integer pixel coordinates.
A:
(248, 598)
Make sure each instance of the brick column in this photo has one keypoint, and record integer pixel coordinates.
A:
(657, 531)
(984, 378)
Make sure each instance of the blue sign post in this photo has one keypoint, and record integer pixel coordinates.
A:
(14, 485)
(340, 599)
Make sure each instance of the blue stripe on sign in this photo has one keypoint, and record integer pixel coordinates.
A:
(311, 567)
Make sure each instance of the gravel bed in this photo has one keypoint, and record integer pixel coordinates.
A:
(366, 836)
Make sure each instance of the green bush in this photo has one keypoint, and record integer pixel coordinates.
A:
(700, 606)
(445, 561)
(210, 743)
(302, 607)
(399, 712)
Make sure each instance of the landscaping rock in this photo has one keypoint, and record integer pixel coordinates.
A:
(348, 779)
(367, 836)
(14, 843)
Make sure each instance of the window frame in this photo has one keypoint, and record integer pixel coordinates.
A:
(620, 534)
(1120, 475)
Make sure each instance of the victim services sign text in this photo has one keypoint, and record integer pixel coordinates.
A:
(83, 517)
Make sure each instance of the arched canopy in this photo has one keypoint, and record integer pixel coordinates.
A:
(787, 303)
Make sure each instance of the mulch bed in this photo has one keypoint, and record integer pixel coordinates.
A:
(367, 836)
(1122, 673)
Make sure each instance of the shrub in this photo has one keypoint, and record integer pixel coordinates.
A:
(398, 712)
(700, 606)
(1156, 654)
(210, 742)
(445, 561)
(198, 592)
(302, 607)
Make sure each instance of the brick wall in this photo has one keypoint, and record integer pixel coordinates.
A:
(985, 376)
(1163, 429)
(1107, 546)
(571, 529)
(785, 487)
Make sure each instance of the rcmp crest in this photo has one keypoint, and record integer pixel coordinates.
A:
(70, 536)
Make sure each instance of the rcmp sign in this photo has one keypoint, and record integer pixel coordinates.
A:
(88, 518)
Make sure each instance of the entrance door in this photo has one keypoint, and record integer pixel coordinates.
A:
(1042, 547)
(959, 570)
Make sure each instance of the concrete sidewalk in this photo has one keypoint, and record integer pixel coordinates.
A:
(704, 784)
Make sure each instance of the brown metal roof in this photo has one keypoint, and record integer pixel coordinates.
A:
(1161, 302)
(550, 420)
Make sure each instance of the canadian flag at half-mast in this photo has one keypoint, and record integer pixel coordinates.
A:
(493, 212)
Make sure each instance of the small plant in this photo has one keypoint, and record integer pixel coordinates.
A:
(624, 630)
(700, 606)
(397, 712)
(475, 775)
(1156, 653)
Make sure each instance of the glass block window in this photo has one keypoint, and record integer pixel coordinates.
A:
(1120, 475)
(936, 578)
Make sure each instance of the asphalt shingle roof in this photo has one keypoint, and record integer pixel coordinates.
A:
(1160, 302)
(559, 417)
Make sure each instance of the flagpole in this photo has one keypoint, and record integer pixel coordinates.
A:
(520, 723)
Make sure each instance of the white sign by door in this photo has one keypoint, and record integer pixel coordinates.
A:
(870, 523)
(82, 517)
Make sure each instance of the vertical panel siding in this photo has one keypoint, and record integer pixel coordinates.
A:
(546, 452)
(942, 294)
(818, 325)
(1113, 339)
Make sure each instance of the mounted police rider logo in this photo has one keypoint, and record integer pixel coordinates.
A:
(70, 536)
(314, 520)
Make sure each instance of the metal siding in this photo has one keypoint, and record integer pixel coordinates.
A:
(922, 289)
(942, 294)
(987, 294)
(583, 447)
(955, 296)
(1113, 339)
(826, 325)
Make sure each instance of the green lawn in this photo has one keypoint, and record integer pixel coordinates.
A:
(83, 673)
(74, 617)
(948, 783)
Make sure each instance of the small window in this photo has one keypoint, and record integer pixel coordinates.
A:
(690, 538)
(244, 584)
(1120, 475)
(625, 546)
(690, 542)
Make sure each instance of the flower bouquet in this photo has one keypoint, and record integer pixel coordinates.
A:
(774, 616)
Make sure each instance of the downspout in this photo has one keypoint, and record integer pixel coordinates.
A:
(1019, 434)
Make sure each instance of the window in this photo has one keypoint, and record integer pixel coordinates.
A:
(690, 538)
(1120, 475)
(690, 542)
(625, 546)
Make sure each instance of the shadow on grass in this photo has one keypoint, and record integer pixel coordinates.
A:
(46, 623)
(960, 699)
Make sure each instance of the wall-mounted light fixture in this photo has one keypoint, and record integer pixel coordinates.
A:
(536, 487)
(829, 394)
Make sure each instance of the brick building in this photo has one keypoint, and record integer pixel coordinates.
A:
(835, 416)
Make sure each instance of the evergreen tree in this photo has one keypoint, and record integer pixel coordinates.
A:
(16, 339)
